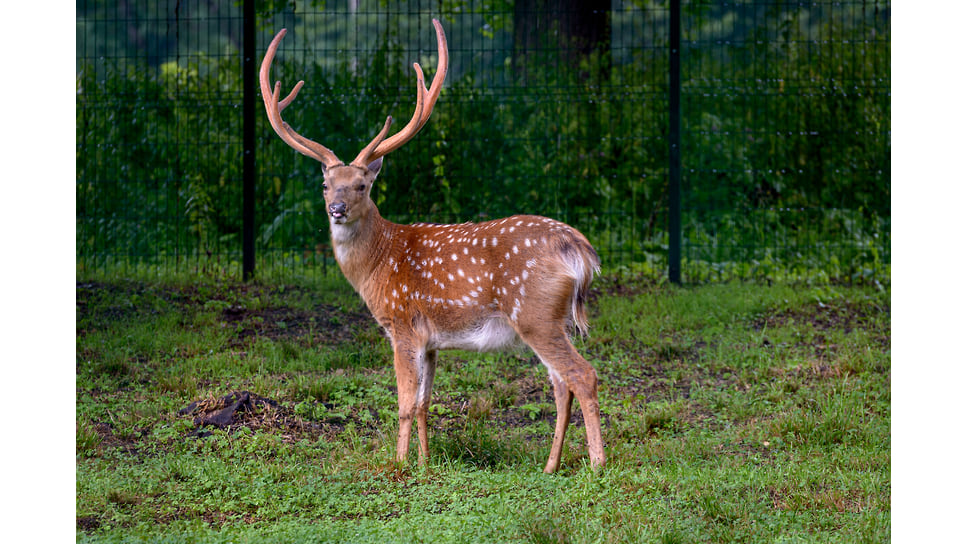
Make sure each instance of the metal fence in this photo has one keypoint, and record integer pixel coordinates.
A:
(759, 130)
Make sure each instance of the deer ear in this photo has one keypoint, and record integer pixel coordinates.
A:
(374, 167)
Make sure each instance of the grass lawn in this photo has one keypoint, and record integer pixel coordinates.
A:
(731, 413)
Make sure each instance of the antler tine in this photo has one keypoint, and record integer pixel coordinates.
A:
(425, 104)
(442, 64)
(363, 158)
(292, 94)
(274, 108)
(369, 154)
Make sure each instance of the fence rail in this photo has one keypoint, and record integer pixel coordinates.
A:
(566, 109)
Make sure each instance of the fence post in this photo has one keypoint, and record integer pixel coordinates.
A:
(248, 140)
(675, 156)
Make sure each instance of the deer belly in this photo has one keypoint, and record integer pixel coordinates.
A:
(493, 333)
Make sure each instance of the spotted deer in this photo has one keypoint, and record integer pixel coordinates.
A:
(518, 281)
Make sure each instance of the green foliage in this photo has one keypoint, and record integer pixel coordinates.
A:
(786, 140)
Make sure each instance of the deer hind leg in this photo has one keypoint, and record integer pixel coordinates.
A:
(563, 398)
(571, 375)
(428, 365)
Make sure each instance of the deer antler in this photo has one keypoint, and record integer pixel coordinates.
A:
(425, 106)
(377, 147)
(274, 110)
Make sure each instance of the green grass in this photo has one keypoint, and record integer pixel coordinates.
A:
(732, 413)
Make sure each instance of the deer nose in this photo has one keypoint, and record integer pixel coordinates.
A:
(337, 209)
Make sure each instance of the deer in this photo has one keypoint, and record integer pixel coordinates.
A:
(517, 282)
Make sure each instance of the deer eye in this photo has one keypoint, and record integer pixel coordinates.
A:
(361, 187)
(325, 187)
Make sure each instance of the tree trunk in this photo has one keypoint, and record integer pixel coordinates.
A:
(565, 33)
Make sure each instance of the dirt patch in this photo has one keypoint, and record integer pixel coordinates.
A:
(240, 306)
(825, 319)
(245, 409)
(323, 325)
(88, 523)
(232, 409)
(845, 317)
(621, 286)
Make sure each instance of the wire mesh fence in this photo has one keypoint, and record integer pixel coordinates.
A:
(550, 107)
(786, 138)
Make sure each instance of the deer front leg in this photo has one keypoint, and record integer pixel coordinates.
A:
(428, 365)
(405, 366)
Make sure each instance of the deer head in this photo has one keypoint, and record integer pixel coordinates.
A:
(347, 187)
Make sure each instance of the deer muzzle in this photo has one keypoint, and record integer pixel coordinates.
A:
(337, 210)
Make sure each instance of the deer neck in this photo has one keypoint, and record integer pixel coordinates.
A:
(360, 246)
